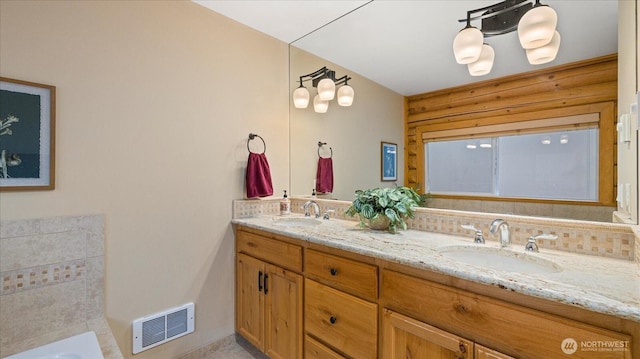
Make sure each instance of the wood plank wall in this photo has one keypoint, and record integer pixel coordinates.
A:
(572, 89)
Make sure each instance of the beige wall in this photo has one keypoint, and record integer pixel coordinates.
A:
(627, 154)
(354, 133)
(155, 100)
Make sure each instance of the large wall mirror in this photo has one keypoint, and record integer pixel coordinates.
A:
(352, 136)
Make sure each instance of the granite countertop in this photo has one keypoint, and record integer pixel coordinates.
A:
(604, 285)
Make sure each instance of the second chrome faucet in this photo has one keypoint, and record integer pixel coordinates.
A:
(505, 235)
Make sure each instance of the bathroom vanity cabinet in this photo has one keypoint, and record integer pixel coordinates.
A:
(269, 294)
(359, 306)
(437, 311)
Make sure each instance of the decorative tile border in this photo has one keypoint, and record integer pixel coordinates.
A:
(636, 231)
(592, 238)
(255, 207)
(25, 279)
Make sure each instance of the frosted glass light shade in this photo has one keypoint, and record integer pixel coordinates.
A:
(536, 27)
(467, 45)
(301, 97)
(345, 95)
(485, 62)
(319, 105)
(546, 53)
(326, 89)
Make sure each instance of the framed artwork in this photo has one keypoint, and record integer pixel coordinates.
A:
(389, 161)
(27, 135)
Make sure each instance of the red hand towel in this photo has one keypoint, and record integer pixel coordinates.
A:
(324, 176)
(258, 176)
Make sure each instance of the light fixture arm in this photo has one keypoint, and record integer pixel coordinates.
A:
(342, 81)
(320, 73)
(495, 10)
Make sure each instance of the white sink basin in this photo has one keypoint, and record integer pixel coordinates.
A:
(500, 259)
(297, 222)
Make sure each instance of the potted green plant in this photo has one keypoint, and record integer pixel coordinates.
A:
(389, 204)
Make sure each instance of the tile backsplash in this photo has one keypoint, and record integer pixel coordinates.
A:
(593, 238)
(52, 278)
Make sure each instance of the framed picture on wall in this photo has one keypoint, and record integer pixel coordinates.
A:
(389, 161)
(27, 135)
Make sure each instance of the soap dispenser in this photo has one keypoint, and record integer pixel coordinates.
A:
(285, 204)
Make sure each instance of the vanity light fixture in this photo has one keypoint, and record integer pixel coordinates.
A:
(324, 80)
(535, 23)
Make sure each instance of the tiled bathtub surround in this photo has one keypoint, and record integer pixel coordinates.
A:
(593, 238)
(52, 282)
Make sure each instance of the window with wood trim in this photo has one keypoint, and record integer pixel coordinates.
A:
(545, 99)
(566, 158)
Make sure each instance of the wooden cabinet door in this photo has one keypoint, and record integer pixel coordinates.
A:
(283, 315)
(250, 299)
(486, 353)
(404, 337)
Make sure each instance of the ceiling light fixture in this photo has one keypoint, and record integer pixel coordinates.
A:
(324, 80)
(535, 23)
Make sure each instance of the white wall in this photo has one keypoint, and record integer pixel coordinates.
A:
(627, 152)
(155, 100)
(354, 133)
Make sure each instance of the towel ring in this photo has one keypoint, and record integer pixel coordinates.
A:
(320, 144)
(253, 136)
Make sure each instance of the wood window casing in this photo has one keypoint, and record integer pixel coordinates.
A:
(520, 103)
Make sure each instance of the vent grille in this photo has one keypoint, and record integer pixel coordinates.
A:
(155, 329)
(152, 331)
(176, 323)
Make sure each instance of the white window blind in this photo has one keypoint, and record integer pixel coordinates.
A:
(560, 165)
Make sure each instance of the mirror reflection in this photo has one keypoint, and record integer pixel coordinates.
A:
(354, 135)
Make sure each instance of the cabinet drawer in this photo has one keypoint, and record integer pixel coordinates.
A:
(286, 255)
(313, 349)
(508, 328)
(346, 323)
(354, 277)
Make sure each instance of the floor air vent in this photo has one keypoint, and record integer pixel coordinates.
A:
(159, 328)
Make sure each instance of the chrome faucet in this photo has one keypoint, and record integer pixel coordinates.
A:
(505, 235)
(316, 208)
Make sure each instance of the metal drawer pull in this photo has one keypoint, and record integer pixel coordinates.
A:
(333, 271)
(266, 289)
(333, 320)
